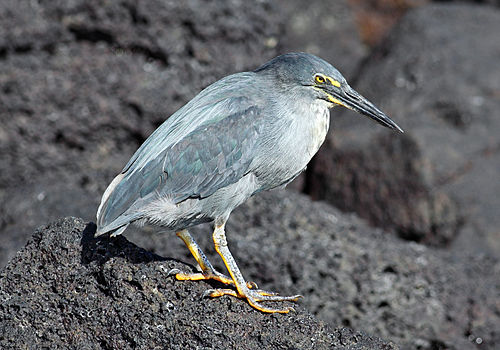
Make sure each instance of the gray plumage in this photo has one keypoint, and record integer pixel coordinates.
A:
(246, 133)
(268, 123)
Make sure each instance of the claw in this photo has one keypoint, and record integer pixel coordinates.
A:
(252, 285)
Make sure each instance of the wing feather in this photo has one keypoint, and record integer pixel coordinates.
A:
(193, 164)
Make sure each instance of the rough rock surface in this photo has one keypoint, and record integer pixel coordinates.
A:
(83, 83)
(354, 275)
(349, 274)
(440, 83)
(66, 289)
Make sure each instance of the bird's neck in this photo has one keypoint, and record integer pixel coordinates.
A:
(310, 126)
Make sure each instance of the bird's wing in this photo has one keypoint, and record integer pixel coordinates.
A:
(189, 164)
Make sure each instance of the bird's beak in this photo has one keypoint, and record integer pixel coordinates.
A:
(350, 98)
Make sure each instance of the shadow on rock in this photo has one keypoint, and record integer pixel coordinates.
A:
(102, 249)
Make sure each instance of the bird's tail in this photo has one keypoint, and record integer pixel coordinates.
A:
(114, 233)
(102, 227)
(106, 194)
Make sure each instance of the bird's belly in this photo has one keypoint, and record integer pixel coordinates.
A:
(193, 211)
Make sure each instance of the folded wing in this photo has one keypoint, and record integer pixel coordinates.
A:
(180, 161)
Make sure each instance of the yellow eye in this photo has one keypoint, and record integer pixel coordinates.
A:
(319, 79)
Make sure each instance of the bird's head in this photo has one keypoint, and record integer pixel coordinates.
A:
(322, 81)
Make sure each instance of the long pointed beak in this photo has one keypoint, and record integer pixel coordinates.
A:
(350, 98)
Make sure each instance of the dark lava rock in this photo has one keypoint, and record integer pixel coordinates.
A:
(437, 76)
(354, 275)
(83, 83)
(66, 289)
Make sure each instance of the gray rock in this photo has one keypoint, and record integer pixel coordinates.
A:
(437, 77)
(66, 289)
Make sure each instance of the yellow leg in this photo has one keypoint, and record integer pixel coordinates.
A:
(251, 295)
(208, 270)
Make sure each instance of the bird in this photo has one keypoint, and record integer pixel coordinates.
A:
(246, 133)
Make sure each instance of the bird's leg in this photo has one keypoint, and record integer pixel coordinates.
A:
(242, 291)
(208, 270)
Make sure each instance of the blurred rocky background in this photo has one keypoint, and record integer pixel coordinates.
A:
(83, 84)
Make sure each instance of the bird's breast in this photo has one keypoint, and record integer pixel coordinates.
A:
(309, 131)
(293, 144)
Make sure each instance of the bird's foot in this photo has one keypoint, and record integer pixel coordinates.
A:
(207, 275)
(254, 296)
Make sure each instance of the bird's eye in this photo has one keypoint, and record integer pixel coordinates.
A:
(319, 79)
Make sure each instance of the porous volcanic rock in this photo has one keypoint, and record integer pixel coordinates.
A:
(353, 275)
(66, 289)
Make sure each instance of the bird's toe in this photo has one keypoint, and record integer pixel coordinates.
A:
(254, 297)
